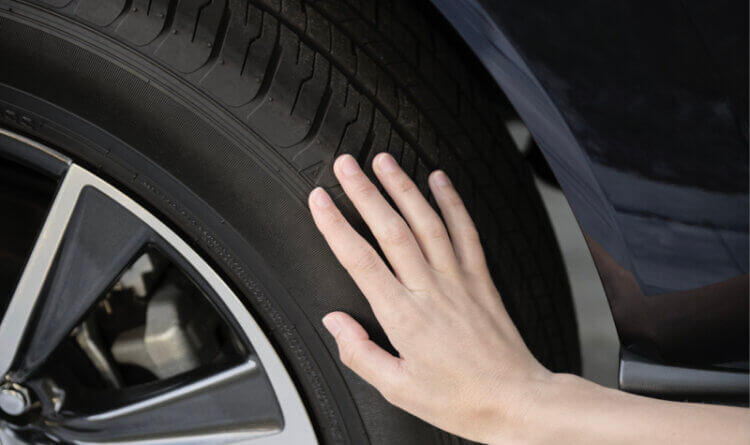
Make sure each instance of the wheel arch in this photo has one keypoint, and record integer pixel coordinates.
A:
(561, 149)
(662, 240)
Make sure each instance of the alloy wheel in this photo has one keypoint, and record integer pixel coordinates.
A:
(118, 331)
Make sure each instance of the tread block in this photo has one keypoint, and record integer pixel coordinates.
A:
(358, 137)
(318, 28)
(99, 12)
(286, 82)
(341, 111)
(192, 35)
(312, 93)
(295, 12)
(338, 11)
(386, 92)
(230, 79)
(273, 5)
(342, 48)
(144, 22)
(53, 3)
(381, 136)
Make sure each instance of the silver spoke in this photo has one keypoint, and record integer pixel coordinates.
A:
(297, 428)
(211, 410)
(264, 406)
(101, 240)
(37, 269)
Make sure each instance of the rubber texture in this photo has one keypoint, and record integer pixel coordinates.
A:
(222, 115)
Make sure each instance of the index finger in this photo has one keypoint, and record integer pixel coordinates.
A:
(365, 266)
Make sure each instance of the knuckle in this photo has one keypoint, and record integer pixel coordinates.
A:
(392, 390)
(365, 260)
(364, 188)
(348, 353)
(475, 269)
(393, 232)
(334, 218)
(388, 393)
(404, 321)
(454, 200)
(405, 185)
(470, 234)
(476, 263)
(433, 231)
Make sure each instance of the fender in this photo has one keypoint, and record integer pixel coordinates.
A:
(641, 113)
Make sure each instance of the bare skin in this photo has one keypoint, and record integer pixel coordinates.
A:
(462, 364)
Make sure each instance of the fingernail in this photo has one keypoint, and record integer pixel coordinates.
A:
(349, 166)
(386, 163)
(332, 324)
(321, 198)
(440, 179)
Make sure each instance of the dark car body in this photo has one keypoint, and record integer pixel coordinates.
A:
(641, 110)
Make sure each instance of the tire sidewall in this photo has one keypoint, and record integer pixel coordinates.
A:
(282, 297)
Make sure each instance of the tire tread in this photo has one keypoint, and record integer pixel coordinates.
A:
(315, 79)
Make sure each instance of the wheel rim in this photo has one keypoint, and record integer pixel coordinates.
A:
(95, 231)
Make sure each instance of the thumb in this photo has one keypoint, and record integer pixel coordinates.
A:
(371, 362)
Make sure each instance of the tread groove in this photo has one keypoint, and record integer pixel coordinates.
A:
(346, 128)
(198, 19)
(368, 143)
(271, 67)
(302, 83)
(253, 40)
(317, 122)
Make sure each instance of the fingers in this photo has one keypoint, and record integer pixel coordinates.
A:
(362, 355)
(364, 265)
(390, 230)
(460, 226)
(425, 223)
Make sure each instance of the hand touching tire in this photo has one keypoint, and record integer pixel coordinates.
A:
(462, 363)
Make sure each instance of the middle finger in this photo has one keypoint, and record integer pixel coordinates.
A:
(390, 230)
(425, 223)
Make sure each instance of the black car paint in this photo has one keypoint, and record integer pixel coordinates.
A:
(641, 110)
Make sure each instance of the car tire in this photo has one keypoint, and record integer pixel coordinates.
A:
(221, 116)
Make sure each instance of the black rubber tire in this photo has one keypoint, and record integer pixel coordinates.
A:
(222, 115)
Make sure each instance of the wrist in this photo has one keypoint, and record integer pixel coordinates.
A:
(565, 408)
(547, 410)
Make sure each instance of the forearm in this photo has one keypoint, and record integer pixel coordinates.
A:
(572, 410)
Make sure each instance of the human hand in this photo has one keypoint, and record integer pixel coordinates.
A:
(462, 364)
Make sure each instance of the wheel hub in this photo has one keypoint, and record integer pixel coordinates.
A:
(14, 399)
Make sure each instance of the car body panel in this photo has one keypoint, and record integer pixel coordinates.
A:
(641, 112)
